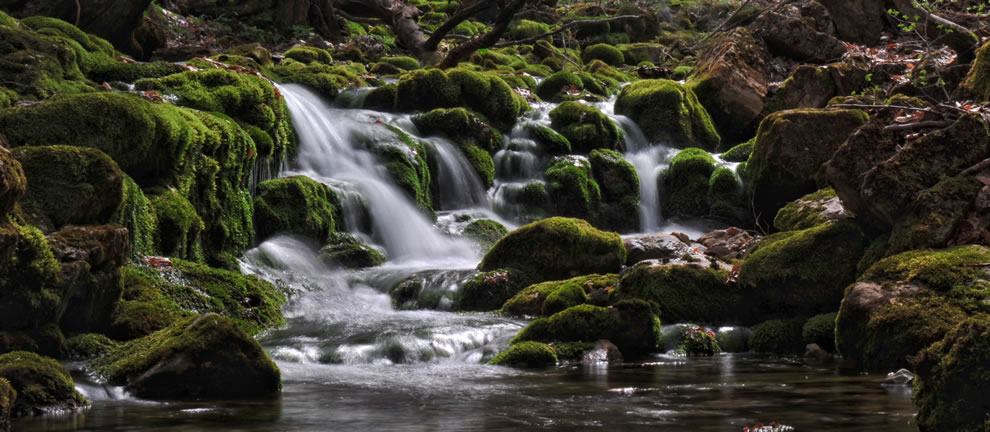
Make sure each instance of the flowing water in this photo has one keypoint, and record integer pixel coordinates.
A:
(350, 360)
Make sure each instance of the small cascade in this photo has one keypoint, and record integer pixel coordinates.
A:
(458, 183)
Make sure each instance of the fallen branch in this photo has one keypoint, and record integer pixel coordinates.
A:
(980, 166)
(560, 29)
(918, 125)
(852, 105)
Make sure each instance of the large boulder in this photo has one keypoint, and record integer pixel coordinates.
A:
(42, 385)
(790, 148)
(632, 325)
(792, 37)
(693, 186)
(91, 257)
(476, 139)
(548, 298)
(488, 95)
(802, 272)
(732, 81)
(812, 86)
(952, 378)
(668, 112)
(860, 21)
(585, 127)
(200, 357)
(909, 301)
(557, 248)
(619, 186)
(685, 292)
(29, 275)
(294, 205)
(572, 188)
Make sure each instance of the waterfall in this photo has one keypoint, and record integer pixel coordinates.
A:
(329, 153)
(457, 181)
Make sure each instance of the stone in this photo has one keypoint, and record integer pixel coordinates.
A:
(792, 37)
(730, 243)
(859, 21)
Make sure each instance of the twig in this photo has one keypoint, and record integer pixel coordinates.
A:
(977, 265)
(560, 29)
(980, 166)
(918, 125)
(852, 105)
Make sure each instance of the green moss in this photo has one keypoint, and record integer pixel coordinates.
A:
(382, 98)
(137, 215)
(307, 54)
(725, 196)
(698, 341)
(739, 153)
(571, 350)
(143, 307)
(89, 345)
(619, 185)
(632, 325)
(476, 139)
(601, 70)
(936, 214)
(778, 337)
(669, 112)
(553, 86)
(572, 189)
(407, 63)
(485, 232)
(950, 391)
(179, 226)
(489, 290)
(585, 127)
(685, 293)
(820, 329)
(805, 212)
(223, 362)
(548, 298)
(525, 29)
(686, 183)
(294, 205)
(682, 72)
(7, 393)
(606, 53)
(29, 273)
(40, 382)
(637, 53)
(404, 159)
(977, 80)
(343, 250)
(427, 89)
(549, 140)
(488, 95)
(526, 354)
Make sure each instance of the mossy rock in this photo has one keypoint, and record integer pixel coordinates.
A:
(42, 384)
(950, 390)
(552, 87)
(909, 301)
(179, 226)
(29, 274)
(476, 139)
(739, 153)
(137, 214)
(820, 329)
(550, 141)
(585, 127)
(557, 248)
(69, 185)
(619, 185)
(606, 53)
(294, 205)
(636, 53)
(490, 96)
(89, 345)
(572, 190)
(143, 308)
(778, 337)
(489, 290)
(978, 78)
(810, 210)
(527, 355)
(548, 298)
(526, 29)
(632, 325)
(699, 341)
(405, 161)
(344, 250)
(802, 272)
(13, 183)
(725, 197)
(669, 112)
(7, 397)
(685, 183)
(685, 293)
(485, 233)
(254, 51)
(307, 54)
(381, 98)
(202, 357)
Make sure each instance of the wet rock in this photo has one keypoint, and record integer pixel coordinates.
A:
(730, 243)
(811, 86)
(819, 330)
(619, 186)
(685, 292)
(669, 112)
(200, 357)
(548, 298)
(640, 247)
(816, 352)
(485, 232)
(344, 250)
(526, 355)
(604, 351)
(901, 377)
(294, 205)
(952, 379)
(811, 210)
(42, 385)
(792, 37)
(585, 127)
(91, 257)
(631, 324)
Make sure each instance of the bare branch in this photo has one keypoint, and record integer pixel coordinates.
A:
(461, 16)
(462, 51)
(980, 166)
(918, 125)
(852, 105)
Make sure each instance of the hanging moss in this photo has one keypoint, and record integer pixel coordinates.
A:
(179, 226)
(137, 214)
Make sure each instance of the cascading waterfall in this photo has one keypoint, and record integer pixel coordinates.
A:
(457, 181)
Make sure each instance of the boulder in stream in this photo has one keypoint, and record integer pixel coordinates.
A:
(41, 386)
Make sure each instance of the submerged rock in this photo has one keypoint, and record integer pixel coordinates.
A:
(200, 357)
(344, 250)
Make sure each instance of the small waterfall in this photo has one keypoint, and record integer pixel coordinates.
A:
(649, 160)
(458, 182)
(328, 153)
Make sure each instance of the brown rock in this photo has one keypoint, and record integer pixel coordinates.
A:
(860, 21)
(791, 37)
(730, 243)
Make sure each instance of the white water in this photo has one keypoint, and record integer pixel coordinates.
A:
(459, 184)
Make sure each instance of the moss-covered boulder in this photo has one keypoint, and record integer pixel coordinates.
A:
(200, 357)
(13, 184)
(69, 185)
(820, 329)
(89, 345)
(699, 341)
(548, 298)
(619, 186)
(952, 375)
(29, 274)
(802, 272)
(906, 302)
(668, 112)
(604, 52)
(344, 250)
(294, 205)
(550, 141)
(977, 81)
(811, 210)
(585, 127)
(489, 290)
(557, 248)
(572, 189)
(485, 232)
(143, 308)
(685, 183)
(42, 384)
(526, 354)
(404, 159)
(739, 153)
(490, 96)
(308, 54)
(778, 337)
(180, 228)
(790, 148)
(632, 325)
(553, 87)
(684, 292)
(476, 140)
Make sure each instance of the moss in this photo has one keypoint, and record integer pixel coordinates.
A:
(805, 212)
(525, 29)
(682, 72)
(637, 53)
(407, 63)
(294, 205)
(137, 215)
(619, 186)
(220, 361)
(307, 54)
(548, 298)
(143, 308)
(526, 354)
(489, 290)
(778, 337)
(739, 153)
(557, 248)
(698, 341)
(426, 90)
(7, 393)
(632, 325)
(485, 232)
(346, 251)
(585, 127)
(937, 213)
(476, 139)
(950, 391)
(571, 350)
(686, 183)
(69, 185)
(179, 227)
(601, 70)
(89, 345)
(551, 88)
(382, 98)
(978, 78)
(550, 141)
(606, 53)
(488, 95)
(29, 273)
(668, 112)
(405, 161)
(685, 293)
(572, 189)
(40, 382)
(725, 196)
(820, 329)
